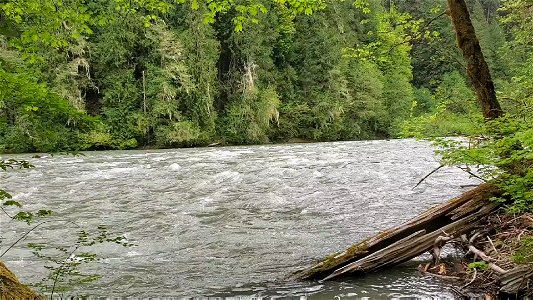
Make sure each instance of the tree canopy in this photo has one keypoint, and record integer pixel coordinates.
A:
(89, 74)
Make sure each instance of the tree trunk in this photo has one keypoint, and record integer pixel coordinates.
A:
(400, 244)
(477, 68)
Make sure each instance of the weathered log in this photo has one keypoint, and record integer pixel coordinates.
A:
(407, 241)
(407, 249)
(516, 280)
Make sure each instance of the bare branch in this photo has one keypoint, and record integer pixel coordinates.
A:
(425, 177)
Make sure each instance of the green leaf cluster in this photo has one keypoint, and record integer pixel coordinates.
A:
(480, 265)
(524, 253)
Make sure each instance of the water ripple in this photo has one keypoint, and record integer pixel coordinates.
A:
(234, 221)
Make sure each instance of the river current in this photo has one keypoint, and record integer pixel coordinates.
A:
(232, 222)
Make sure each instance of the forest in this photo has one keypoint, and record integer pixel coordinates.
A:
(88, 75)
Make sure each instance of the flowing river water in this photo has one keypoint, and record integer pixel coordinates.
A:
(232, 222)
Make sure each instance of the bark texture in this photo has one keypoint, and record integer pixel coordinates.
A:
(477, 68)
(517, 280)
(400, 244)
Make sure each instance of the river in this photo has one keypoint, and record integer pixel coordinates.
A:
(231, 222)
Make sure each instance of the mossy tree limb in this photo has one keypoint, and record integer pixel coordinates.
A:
(477, 68)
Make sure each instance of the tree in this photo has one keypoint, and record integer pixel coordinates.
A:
(154, 72)
(477, 68)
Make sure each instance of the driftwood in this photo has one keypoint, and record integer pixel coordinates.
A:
(478, 253)
(424, 233)
(516, 279)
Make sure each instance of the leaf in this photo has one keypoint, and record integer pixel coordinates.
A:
(24, 216)
(478, 265)
(5, 195)
(12, 203)
(44, 213)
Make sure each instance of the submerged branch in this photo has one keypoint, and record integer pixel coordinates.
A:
(429, 174)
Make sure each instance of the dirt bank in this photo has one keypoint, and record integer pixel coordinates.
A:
(11, 288)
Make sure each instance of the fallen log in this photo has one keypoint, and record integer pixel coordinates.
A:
(516, 280)
(409, 240)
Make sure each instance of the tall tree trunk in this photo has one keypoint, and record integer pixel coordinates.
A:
(477, 68)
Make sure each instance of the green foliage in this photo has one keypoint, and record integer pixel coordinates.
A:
(504, 155)
(434, 51)
(34, 119)
(524, 253)
(353, 87)
(500, 151)
(440, 124)
(181, 133)
(28, 217)
(518, 16)
(157, 73)
(452, 111)
(424, 102)
(455, 96)
(170, 73)
(13, 163)
(65, 263)
(390, 49)
(249, 122)
(503, 148)
(364, 107)
(201, 54)
(491, 39)
(480, 265)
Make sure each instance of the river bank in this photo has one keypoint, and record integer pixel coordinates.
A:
(486, 239)
(495, 260)
(501, 241)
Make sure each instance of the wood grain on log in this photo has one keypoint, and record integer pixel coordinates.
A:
(409, 240)
(515, 280)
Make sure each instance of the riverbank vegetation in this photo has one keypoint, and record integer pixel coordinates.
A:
(78, 75)
(99, 75)
(497, 149)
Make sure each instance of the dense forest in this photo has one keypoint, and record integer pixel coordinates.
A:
(79, 74)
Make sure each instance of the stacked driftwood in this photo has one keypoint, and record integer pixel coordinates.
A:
(425, 233)
(428, 232)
